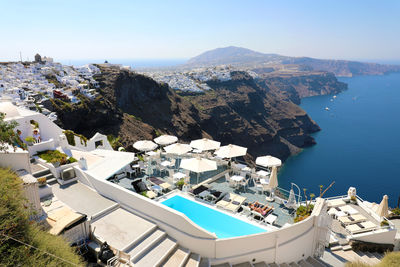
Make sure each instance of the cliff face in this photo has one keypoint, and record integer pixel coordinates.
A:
(239, 111)
(299, 85)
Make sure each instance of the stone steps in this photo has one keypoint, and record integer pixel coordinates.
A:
(303, 263)
(193, 261)
(243, 264)
(314, 262)
(177, 258)
(145, 244)
(157, 253)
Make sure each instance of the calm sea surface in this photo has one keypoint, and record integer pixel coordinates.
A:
(359, 144)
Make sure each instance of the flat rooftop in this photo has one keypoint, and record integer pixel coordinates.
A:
(81, 198)
(120, 228)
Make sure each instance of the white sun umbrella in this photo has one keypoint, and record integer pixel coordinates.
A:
(231, 151)
(145, 145)
(198, 165)
(178, 149)
(268, 161)
(273, 178)
(383, 207)
(205, 144)
(166, 139)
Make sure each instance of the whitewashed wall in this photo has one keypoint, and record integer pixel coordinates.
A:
(293, 243)
(15, 160)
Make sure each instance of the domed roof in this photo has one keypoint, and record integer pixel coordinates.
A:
(9, 109)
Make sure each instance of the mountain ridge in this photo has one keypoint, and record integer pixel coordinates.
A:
(243, 57)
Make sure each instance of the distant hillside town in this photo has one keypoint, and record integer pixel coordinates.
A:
(29, 84)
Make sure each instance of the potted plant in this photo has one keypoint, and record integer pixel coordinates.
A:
(30, 140)
(42, 181)
(353, 200)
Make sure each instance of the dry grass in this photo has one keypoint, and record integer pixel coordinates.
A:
(391, 259)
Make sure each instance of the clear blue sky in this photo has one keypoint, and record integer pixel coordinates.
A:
(97, 29)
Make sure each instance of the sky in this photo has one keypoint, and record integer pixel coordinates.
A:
(128, 29)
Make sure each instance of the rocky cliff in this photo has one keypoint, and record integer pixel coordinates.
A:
(239, 111)
(295, 86)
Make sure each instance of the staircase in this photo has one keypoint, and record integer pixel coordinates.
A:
(359, 256)
(40, 171)
(309, 262)
(156, 248)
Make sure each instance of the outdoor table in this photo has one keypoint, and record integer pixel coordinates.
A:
(246, 169)
(263, 173)
(151, 153)
(240, 166)
(264, 181)
(166, 163)
(237, 178)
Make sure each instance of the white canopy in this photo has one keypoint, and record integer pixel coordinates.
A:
(198, 165)
(178, 149)
(145, 145)
(205, 144)
(273, 178)
(268, 161)
(166, 139)
(383, 207)
(231, 151)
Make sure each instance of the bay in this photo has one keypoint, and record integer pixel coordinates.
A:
(359, 144)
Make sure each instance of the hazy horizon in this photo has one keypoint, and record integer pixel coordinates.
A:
(67, 30)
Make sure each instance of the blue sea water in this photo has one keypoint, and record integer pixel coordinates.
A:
(214, 221)
(359, 144)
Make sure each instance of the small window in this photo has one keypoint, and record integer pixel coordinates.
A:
(98, 143)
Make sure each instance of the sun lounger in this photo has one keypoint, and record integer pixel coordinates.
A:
(198, 190)
(348, 209)
(361, 227)
(235, 203)
(156, 181)
(336, 202)
(226, 200)
(271, 218)
(356, 218)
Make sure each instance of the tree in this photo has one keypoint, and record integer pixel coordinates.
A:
(7, 134)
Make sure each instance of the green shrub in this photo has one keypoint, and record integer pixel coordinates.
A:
(71, 138)
(30, 139)
(180, 183)
(384, 223)
(303, 212)
(14, 222)
(53, 156)
(144, 193)
(391, 259)
(396, 211)
(72, 160)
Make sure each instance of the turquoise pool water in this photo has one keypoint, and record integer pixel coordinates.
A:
(223, 225)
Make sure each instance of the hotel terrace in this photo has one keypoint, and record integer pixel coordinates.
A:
(174, 204)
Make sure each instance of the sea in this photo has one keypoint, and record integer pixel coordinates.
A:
(359, 144)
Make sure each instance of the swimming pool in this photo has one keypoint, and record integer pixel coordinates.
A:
(214, 221)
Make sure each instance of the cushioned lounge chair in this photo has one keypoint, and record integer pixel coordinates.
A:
(356, 218)
(226, 200)
(157, 181)
(235, 203)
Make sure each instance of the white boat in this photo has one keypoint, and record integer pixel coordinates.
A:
(326, 108)
(334, 96)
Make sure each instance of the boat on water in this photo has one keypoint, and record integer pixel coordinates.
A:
(326, 108)
(334, 96)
